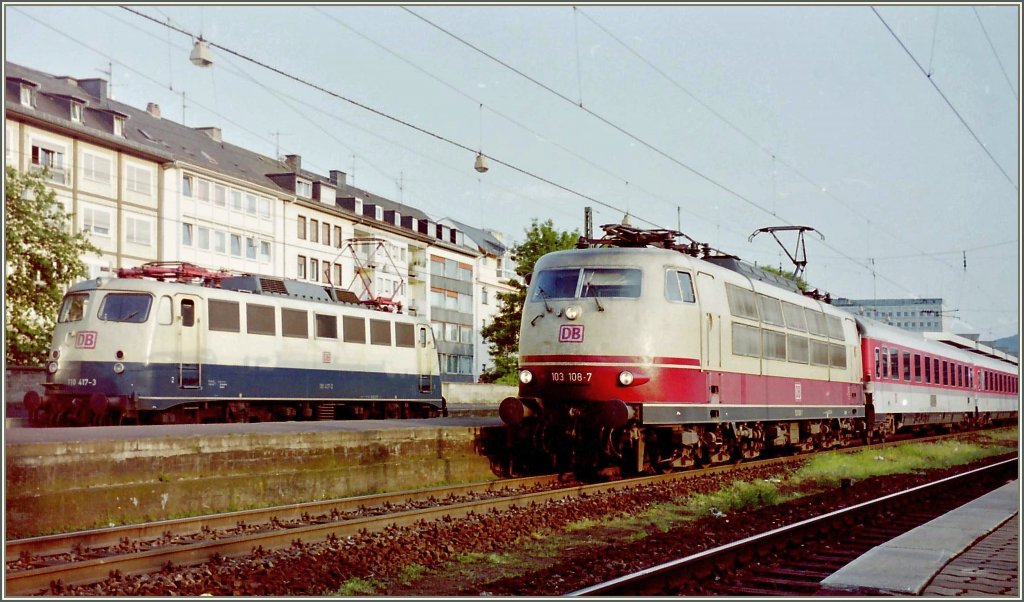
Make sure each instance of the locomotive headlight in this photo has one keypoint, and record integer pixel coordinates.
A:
(51, 367)
(572, 312)
(525, 377)
(118, 368)
(625, 378)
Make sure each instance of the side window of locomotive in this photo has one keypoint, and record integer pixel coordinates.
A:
(611, 282)
(746, 340)
(555, 284)
(326, 326)
(835, 327)
(771, 310)
(259, 319)
(125, 307)
(819, 353)
(797, 349)
(355, 329)
(294, 323)
(188, 312)
(165, 311)
(795, 318)
(405, 335)
(837, 356)
(380, 332)
(223, 315)
(774, 344)
(679, 286)
(73, 308)
(816, 322)
(742, 302)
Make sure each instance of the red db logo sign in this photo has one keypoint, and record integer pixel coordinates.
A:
(85, 340)
(570, 333)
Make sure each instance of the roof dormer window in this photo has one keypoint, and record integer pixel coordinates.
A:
(76, 112)
(303, 188)
(118, 126)
(26, 95)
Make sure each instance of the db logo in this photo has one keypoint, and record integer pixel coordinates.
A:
(85, 340)
(570, 333)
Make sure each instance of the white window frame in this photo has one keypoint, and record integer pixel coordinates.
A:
(89, 221)
(76, 112)
(220, 244)
(138, 179)
(138, 231)
(303, 188)
(119, 126)
(90, 170)
(26, 95)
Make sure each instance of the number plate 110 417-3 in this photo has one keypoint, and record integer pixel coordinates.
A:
(571, 377)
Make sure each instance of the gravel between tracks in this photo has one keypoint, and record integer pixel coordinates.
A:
(319, 569)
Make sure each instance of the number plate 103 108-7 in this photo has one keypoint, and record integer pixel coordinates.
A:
(571, 377)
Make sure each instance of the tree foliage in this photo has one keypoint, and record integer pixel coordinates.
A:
(800, 282)
(502, 335)
(42, 257)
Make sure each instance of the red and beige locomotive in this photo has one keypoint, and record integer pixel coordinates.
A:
(637, 352)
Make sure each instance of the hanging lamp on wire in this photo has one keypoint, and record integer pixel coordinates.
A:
(201, 55)
(481, 160)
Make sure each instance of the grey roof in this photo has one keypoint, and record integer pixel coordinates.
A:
(484, 239)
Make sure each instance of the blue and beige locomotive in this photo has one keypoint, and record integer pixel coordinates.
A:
(645, 354)
(173, 343)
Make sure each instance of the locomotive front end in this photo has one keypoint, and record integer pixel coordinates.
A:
(97, 342)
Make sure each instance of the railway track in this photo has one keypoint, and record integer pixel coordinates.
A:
(90, 556)
(793, 560)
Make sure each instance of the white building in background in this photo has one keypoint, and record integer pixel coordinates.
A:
(916, 315)
(148, 189)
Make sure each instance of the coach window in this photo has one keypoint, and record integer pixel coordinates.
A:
(125, 307)
(945, 372)
(885, 362)
(294, 323)
(259, 319)
(894, 363)
(678, 286)
(935, 370)
(906, 366)
(326, 326)
(878, 363)
(380, 332)
(771, 310)
(742, 303)
(917, 367)
(355, 329)
(795, 319)
(223, 316)
(796, 348)
(927, 370)
(73, 308)
(959, 375)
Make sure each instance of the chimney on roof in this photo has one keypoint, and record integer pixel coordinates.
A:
(212, 132)
(153, 109)
(294, 162)
(95, 86)
(337, 177)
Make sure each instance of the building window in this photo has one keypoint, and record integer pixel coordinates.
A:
(314, 230)
(203, 191)
(119, 126)
(264, 251)
(219, 242)
(203, 238)
(337, 236)
(139, 179)
(186, 234)
(138, 231)
(96, 221)
(300, 267)
(303, 188)
(187, 185)
(76, 112)
(96, 168)
(301, 223)
(326, 236)
(250, 204)
(236, 245)
(250, 247)
(265, 211)
(314, 270)
(47, 158)
(220, 195)
(26, 96)
(236, 200)
(483, 295)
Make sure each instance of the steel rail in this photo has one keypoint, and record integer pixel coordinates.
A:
(658, 579)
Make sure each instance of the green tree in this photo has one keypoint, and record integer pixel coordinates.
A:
(502, 335)
(42, 257)
(800, 282)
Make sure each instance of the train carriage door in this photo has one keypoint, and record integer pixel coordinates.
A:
(426, 358)
(186, 317)
(710, 301)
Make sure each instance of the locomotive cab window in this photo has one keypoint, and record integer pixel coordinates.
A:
(555, 284)
(679, 286)
(73, 308)
(125, 307)
(611, 282)
(188, 312)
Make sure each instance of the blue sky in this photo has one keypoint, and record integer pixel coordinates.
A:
(718, 120)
